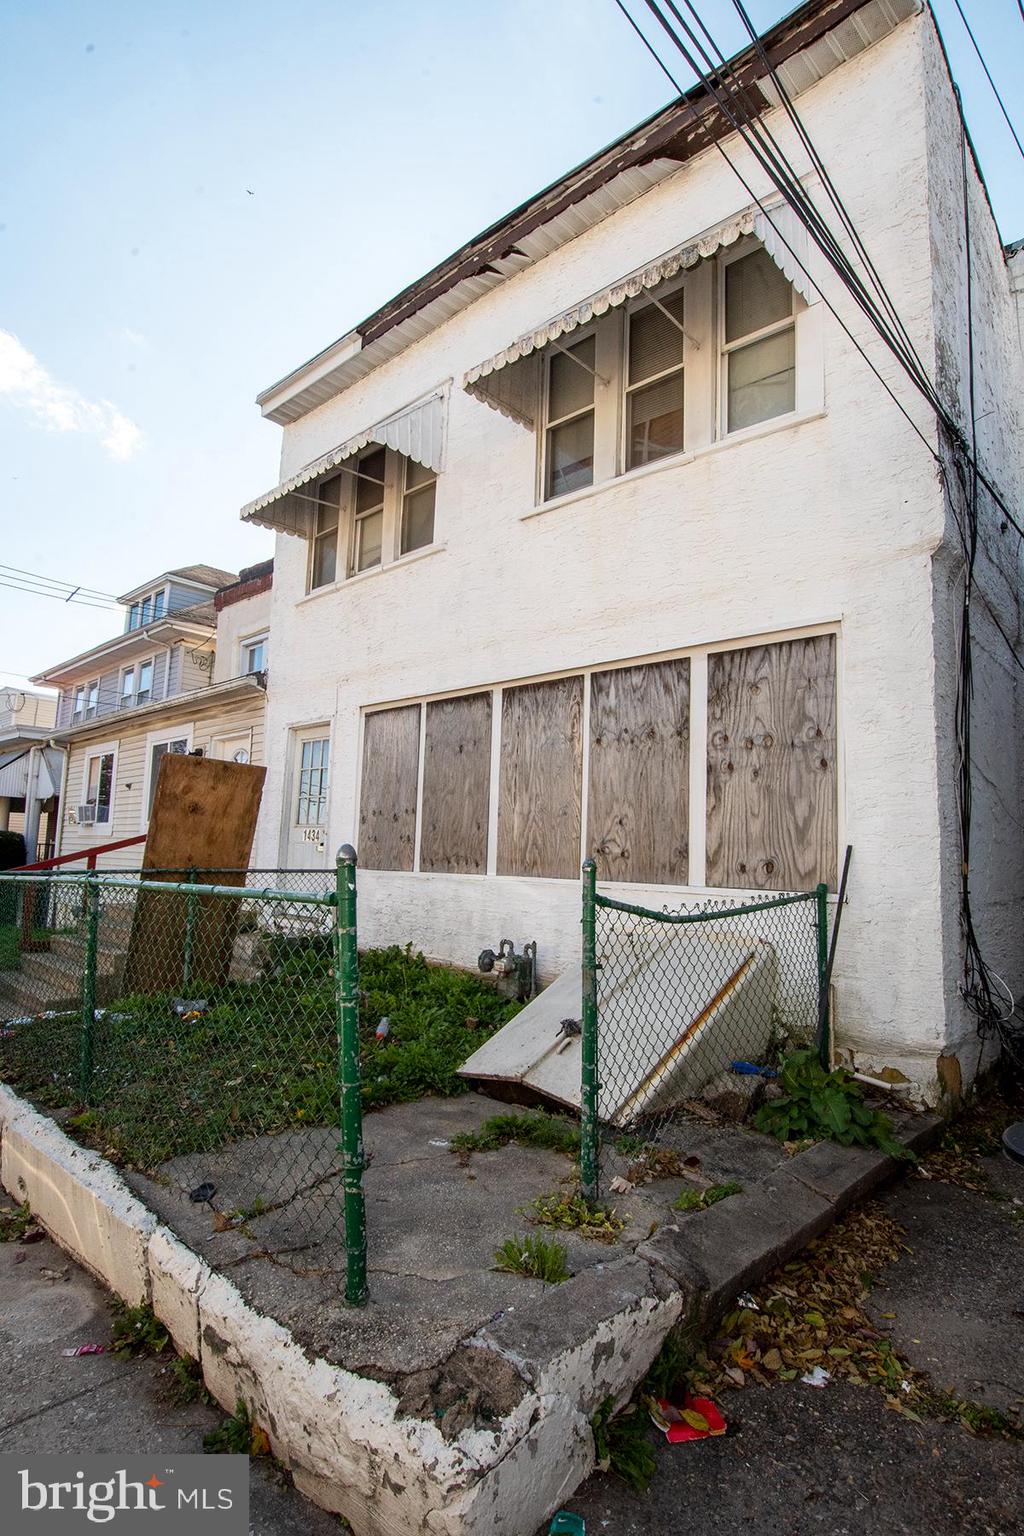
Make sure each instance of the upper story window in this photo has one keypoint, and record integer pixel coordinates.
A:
(569, 418)
(654, 380)
(720, 347)
(147, 609)
(380, 507)
(254, 655)
(136, 685)
(85, 701)
(759, 342)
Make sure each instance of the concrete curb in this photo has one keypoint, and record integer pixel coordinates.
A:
(345, 1438)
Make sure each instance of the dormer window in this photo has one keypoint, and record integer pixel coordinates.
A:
(147, 609)
(85, 701)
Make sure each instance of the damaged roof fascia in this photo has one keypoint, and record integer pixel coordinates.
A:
(674, 134)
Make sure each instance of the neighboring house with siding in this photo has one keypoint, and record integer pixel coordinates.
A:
(603, 538)
(30, 769)
(187, 674)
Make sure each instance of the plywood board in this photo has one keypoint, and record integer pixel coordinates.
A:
(639, 800)
(540, 779)
(204, 818)
(772, 781)
(456, 785)
(387, 798)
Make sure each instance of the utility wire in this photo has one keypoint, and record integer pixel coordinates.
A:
(51, 581)
(988, 74)
(60, 597)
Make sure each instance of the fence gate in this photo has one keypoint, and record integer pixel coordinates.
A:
(672, 999)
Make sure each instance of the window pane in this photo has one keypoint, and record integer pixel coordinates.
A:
(105, 786)
(756, 294)
(133, 616)
(369, 537)
(145, 677)
(762, 380)
(127, 686)
(416, 474)
(325, 559)
(329, 497)
(570, 387)
(418, 519)
(255, 656)
(158, 605)
(371, 469)
(655, 344)
(571, 455)
(147, 609)
(656, 420)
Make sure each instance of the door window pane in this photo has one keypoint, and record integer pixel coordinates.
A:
(762, 380)
(311, 801)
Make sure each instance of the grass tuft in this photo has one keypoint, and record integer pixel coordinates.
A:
(137, 1331)
(574, 1213)
(535, 1130)
(14, 1223)
(534, 1256)
(702, 1199)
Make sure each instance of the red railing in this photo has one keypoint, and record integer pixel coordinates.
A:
(90, 855)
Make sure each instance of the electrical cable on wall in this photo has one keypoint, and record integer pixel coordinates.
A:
(979, 981)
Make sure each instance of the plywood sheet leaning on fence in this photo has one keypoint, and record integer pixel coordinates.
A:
(387, 796)
(456, 785)
(639, 801)
(772, 799)
(541, 779)
(203, 818)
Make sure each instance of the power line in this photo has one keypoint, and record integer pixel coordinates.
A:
(988, 75)
(60, 597)
(52, 581)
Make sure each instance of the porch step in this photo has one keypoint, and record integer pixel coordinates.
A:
(45, 983)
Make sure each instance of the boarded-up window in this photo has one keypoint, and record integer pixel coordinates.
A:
(638, 806)
(456, 785)
(387, 799)
(772, 766)
(540, 779)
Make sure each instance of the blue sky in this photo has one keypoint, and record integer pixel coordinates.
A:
(198, 196)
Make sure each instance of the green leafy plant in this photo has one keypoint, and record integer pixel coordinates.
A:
(537, 1130)
(137, 1331)
(574, 1213)
(186, 1381)
(14, 1223)
(622, 1443)
(534, 1256)
(701, 1199)
(827, 1105)
(232, 1437)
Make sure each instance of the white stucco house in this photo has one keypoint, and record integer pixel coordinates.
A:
(603, 537)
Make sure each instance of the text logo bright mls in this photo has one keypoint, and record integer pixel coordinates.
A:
(44, 1494)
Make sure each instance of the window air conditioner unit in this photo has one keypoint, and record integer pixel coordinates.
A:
(87, 814)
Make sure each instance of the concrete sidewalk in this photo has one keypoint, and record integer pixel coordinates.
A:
(837, 1462)
(96, 1402)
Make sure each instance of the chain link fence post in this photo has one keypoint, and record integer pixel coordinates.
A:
(190, 932)
(824, 1030)
(92, 931)
(589, 1152)
(353, 1161)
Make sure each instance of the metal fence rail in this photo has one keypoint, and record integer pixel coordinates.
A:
(672, 1000)
(208, 1040)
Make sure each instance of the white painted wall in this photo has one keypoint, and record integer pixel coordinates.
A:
(237, 623)
(834, 520)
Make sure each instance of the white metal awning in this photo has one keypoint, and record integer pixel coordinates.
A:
(509, 381)
(417, 431)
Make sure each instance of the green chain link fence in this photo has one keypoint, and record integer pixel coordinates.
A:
(201, 1028)
(672, 1000)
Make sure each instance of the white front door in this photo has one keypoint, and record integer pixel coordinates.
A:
(306, 807)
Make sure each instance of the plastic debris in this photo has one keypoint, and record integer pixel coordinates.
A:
(565, 1523)
(383, 1029)
(189, 1007)
(202, 1193)
(746, 1302)
(438, 1141)
(84, 1349)
(751, 1069)
(620, 1186)
(697, 1419)
(819, 1377)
